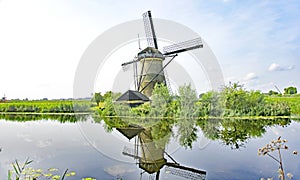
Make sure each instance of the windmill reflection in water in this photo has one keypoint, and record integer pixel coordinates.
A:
(150, 154)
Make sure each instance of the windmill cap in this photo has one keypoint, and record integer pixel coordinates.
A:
(150, 52)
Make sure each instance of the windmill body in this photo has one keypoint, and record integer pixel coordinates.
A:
(151, 63)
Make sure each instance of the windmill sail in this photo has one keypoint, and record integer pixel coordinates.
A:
(183, 46)
(185, 172)
(149, 30)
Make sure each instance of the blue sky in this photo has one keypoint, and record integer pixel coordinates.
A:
(257, 43)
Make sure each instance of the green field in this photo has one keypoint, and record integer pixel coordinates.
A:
(47, 106)
(292, 101)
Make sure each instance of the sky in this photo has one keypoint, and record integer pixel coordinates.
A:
(256, 43)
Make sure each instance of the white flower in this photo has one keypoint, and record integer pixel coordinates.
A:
(289, 175)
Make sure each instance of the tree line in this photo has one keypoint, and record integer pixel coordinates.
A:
(233, 100)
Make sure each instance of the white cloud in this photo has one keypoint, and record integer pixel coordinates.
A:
(250, 76)
(118, 170)
(277, 67)
(25, 137)
(274, 67)
(44, 143)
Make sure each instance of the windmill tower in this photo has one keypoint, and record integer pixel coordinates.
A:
(151, 61)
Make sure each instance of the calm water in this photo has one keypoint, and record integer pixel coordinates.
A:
(224, 149)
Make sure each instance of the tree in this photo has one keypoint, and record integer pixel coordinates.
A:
(209, 104)
(290, 90)
(159, 100)
(233, 99)
(187, 101)
(97, 98)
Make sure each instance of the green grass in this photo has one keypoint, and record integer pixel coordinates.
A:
(292, 101)
(49, 106)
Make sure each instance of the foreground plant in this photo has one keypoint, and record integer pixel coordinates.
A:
(23, 172)
(277, 145)
(18, 169)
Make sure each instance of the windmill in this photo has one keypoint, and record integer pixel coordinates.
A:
(150, 60)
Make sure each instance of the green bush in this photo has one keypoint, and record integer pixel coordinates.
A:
(233, 100)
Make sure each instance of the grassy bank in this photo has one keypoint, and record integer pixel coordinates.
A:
(292, 101)
(48, 106)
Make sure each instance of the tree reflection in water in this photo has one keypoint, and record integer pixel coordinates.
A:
(235, 132)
